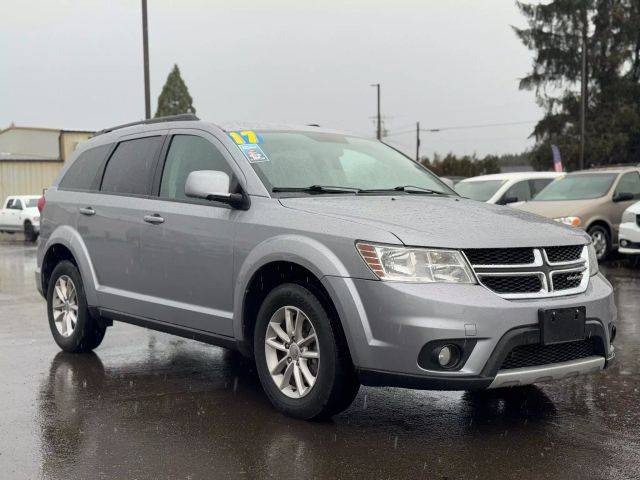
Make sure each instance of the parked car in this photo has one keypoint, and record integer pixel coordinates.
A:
(592, 200)
(505, 188)
(20, 214)
(630, 230)
(330, 259)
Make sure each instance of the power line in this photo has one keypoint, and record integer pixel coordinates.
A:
(463, 127)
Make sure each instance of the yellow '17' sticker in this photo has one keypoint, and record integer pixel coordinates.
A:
(245, 136)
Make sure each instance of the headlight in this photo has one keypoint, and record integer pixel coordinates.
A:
(628, 217)
(571, 221)
(419, 265)
(593, 260)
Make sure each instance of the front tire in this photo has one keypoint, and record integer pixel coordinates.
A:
(601, 241)
(301, 355)
(72, 326)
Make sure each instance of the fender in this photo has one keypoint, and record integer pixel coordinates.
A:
(306, 252)
(68, 237)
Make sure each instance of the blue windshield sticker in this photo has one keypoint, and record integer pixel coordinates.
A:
(253, 153)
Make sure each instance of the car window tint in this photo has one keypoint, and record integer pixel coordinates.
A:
(520, 191)
(537, 184)
(189, 153)
(83, 171)
(629, 183)
(130, 167)
(9, 203)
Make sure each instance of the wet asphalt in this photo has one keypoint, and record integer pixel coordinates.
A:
(147, 405)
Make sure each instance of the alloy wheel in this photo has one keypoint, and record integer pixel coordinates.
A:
(292, 351)
(599, 240)
(65, 306)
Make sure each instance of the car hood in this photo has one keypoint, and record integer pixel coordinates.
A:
(445, 222)
(557, 208)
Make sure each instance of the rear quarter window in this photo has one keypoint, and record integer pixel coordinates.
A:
(83, 172)
(130, 168)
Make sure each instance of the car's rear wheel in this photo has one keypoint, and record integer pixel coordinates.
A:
(301, 356)
(601, 241)
(72, 326)
(30, 233)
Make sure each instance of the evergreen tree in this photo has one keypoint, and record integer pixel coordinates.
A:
(554, 34)
(174, 98)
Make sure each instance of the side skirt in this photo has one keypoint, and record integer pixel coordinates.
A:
(178, 330)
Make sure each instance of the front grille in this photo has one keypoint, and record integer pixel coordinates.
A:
(535, 355)
(567, 280)
(564, 254)
(500, 256)
(512, 283)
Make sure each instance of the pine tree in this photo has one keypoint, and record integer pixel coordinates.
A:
(174, 98)
(553, 33)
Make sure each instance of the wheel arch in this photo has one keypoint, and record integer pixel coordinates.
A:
(295, 260)
(66, 243)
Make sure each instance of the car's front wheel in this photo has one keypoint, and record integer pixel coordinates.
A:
(301, 355)
(601, 241)
(72, 326)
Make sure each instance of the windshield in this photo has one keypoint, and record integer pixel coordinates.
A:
(578, 187)
(481, 190)
(294, 159)
(32, 203)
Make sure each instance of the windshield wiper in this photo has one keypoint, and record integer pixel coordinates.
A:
(405, 188)
(317, 189)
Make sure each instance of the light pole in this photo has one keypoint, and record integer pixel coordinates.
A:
(145, 55)
(378, 122)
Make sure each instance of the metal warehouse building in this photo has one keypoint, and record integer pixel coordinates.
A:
(31, 157)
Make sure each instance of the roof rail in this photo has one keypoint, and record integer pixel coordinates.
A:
(185, 117)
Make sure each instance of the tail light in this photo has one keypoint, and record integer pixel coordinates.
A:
(41, 203)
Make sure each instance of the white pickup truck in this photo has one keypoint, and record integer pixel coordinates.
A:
(20, 214)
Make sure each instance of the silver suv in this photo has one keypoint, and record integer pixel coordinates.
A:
(330, 259)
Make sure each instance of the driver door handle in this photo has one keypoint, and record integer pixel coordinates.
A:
(155, 219)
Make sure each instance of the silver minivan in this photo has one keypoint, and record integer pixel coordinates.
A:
(331, 260)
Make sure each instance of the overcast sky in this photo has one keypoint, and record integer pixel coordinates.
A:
(78, 64)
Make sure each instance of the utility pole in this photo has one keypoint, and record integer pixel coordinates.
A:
(379, 121)
(418, 142)
(583, 95)
(145, 55)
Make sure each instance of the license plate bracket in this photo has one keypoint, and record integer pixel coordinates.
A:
(560, 325)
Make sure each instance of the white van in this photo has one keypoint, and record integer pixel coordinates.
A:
(504, 188)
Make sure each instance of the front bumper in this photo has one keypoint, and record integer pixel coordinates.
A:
(630, 237)
(387, 324)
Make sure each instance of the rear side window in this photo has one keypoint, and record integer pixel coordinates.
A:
(189, 153)
(83, 171)
(130, 168)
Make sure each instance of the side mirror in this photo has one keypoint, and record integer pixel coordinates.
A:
(214, 186)
(507, 200)
(623, 197)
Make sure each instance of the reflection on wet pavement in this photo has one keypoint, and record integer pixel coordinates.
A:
(148, 405)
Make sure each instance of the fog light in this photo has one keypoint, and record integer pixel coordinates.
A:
(623, 243)
(448, 356)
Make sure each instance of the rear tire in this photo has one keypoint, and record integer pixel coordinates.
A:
(72, 326)
(601, 241)
(326, 361)
(30, 233)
